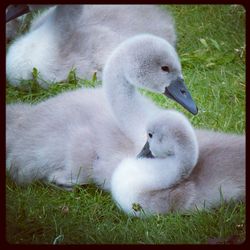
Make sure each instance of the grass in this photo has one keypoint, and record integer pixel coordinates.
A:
(211, 46)
(42, 214)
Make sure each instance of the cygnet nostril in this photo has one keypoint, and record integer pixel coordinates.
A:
(183, 92)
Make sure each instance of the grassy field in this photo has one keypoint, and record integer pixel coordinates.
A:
(211, 46)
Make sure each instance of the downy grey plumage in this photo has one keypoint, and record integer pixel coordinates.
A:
(173, 149)
(83, 134)
(81, 37)
(219, 175)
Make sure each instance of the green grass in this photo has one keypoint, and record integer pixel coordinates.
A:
(42, 214)
(211, 46)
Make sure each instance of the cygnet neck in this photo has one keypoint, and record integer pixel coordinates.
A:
(188, 157)
(129, 107)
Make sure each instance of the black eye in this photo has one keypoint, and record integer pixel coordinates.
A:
(150, 135)
(165, 68)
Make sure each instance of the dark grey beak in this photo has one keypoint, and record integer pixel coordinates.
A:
(178, 92)
(15, 11)
(145, 152)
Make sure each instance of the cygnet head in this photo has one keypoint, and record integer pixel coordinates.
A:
(170, 134)
(150, 62)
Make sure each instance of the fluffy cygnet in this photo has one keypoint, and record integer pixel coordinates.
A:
(169, 155)
(83, 134)
(219, 175)
(81, 37)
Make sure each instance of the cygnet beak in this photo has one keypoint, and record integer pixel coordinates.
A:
(15, 11)
(178, 92)
(145, 152)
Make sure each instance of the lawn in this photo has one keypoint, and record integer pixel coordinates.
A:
(211, 46)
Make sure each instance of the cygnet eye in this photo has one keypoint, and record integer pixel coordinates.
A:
(165, 68)
(150, 135)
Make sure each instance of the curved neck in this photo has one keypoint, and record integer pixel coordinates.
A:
(130, 108)
(188, 156)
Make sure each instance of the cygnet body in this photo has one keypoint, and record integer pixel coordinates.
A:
(173, 149)
(81, 37)
(83, 134)
(218, 176)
